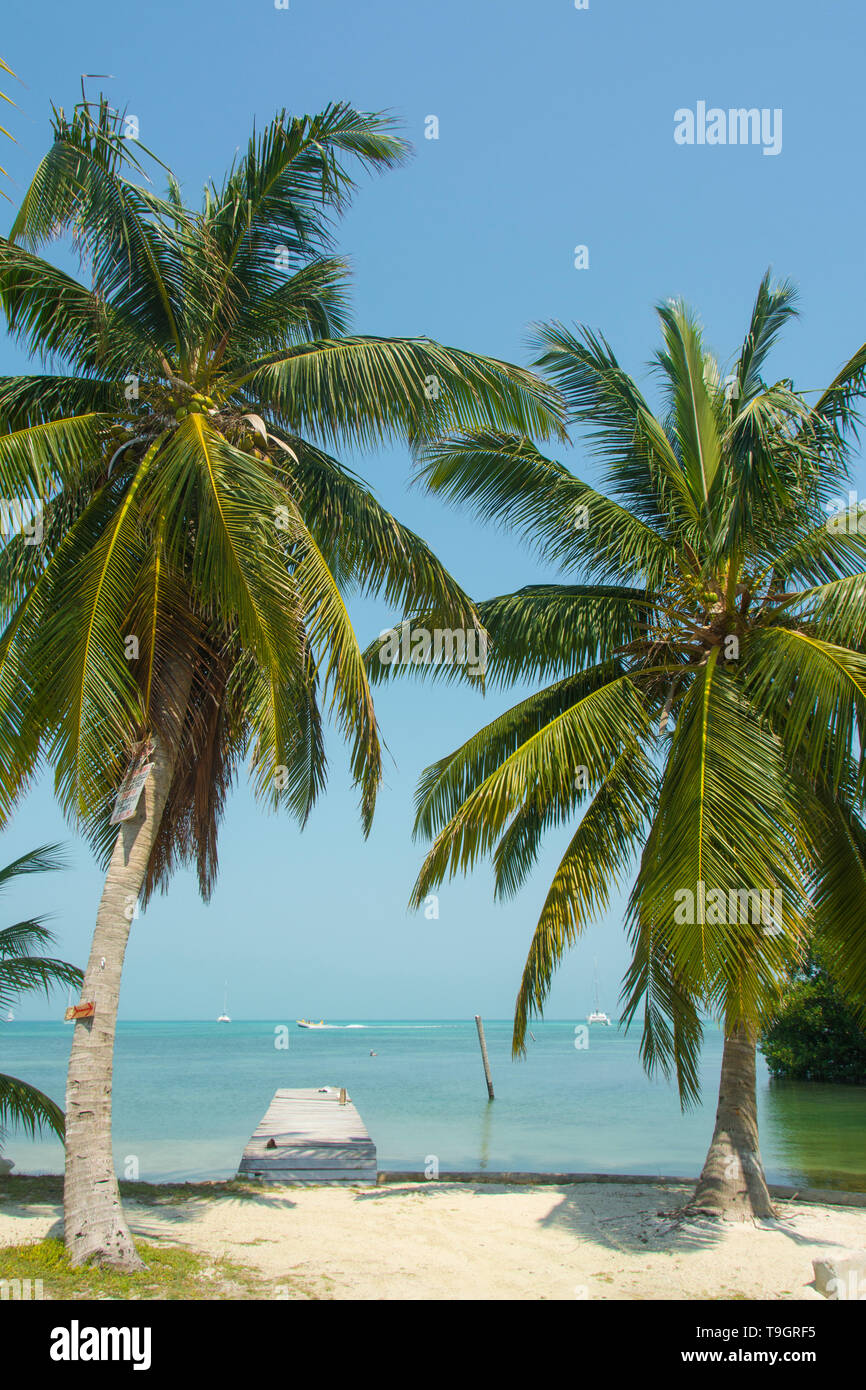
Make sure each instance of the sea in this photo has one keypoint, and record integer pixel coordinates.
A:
(187, 1097)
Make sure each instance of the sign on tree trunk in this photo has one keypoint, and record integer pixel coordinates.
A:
(74, 1011)
(130, 790)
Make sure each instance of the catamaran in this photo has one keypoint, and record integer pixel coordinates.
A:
(598, 1015)
(224, 1016)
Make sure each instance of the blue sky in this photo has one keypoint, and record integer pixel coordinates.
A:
(555, 129)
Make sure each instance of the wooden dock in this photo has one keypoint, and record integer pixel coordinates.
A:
(309, 1137)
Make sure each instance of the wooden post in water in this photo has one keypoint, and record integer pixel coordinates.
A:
(480, 1026)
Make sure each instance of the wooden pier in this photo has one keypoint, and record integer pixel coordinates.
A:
(309, 1137)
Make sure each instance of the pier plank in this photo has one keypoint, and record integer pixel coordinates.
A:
(306, 1136)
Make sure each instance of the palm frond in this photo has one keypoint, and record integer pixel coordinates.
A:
(598, 854)
(28, 1108)
(368, 390)
(775, 305)
(506, 480)
(552, 766)
(45, 859)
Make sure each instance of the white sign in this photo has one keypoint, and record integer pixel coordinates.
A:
(129, 793)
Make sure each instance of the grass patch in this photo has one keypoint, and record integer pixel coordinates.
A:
(171, 1273)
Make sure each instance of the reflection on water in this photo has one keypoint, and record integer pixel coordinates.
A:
(817, 1131)
(486, 1123)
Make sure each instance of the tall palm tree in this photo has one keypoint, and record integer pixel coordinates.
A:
(183, 611)
(708, 694)
(21, 971)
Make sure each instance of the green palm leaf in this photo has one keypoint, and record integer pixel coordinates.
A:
(27, 1108)
(21, 971)
(588, 734)
(599, 852)
(375, 389)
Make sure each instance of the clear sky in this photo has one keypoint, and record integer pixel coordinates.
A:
(556, 129)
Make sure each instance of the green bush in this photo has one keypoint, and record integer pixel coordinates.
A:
(815, 1035)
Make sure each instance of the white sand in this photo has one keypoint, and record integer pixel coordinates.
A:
(458, 1241)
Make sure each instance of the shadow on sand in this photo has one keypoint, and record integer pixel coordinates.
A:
(647, 1219)
(26, 1196)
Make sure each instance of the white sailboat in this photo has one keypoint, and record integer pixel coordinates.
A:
(598, 1015)
(224, 1016)
(10, 1017)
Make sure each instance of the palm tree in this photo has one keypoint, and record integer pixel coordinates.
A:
(703, 696)
(184, 610)
(20, 971)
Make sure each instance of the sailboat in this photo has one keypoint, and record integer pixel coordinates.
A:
(598, 1015)
(224, 1016)
(10, 1017)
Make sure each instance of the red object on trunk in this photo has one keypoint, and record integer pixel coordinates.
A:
(79, 1011)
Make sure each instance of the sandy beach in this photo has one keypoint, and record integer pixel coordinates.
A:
(472, 1241)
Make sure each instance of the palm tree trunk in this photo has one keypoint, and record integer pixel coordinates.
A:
(95, 1225)
(732, 1184)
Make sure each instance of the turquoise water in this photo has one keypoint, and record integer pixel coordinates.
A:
(187, 1096)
